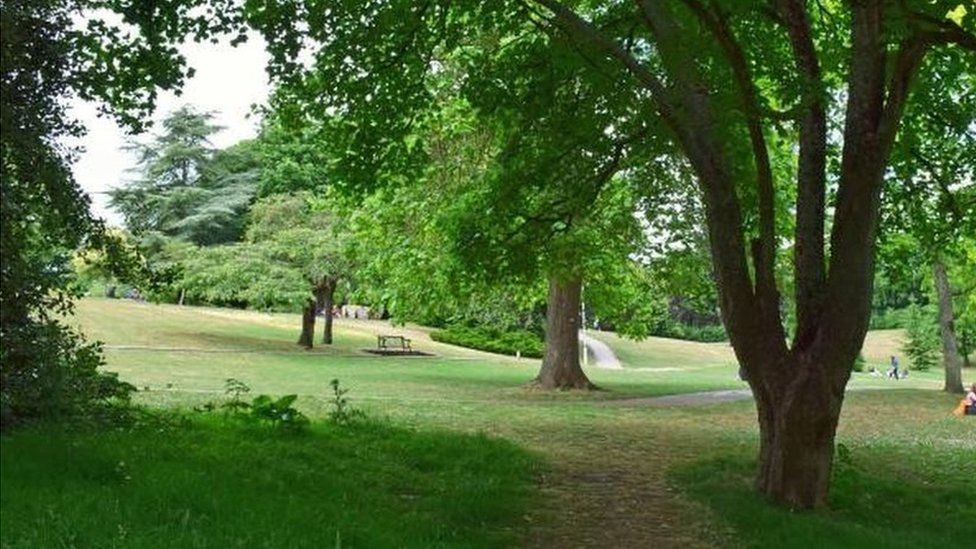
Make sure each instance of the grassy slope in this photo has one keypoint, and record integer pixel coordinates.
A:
(163, 348)
(711, 361)
(615, 476)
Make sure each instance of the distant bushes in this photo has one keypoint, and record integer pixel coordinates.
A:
(893, 319)
(677, 330)
(492, 340)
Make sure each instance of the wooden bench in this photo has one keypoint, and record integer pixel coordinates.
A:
(383, 342)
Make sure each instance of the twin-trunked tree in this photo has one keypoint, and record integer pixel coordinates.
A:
(727, 79)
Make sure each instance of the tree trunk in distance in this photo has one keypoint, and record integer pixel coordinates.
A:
(950, 350)
(327, 302)
(561, 366)
(796, 433)
(308, 325)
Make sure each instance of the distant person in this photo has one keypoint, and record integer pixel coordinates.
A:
(893, 371)
(971, 401)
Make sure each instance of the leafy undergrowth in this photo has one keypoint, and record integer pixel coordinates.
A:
(208, 481)
(882, 496)
(514, 342)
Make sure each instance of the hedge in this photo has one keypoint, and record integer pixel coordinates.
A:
(492, 340)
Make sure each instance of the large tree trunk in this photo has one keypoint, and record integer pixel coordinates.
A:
(308, 325)
(799, 396)
(325, 300)
(561, 366)
(797, 423)
(950, 350)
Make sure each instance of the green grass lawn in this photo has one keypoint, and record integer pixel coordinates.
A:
(568, 469)
(710, 363)
(904, 478)
(167, 349)
(213, 483)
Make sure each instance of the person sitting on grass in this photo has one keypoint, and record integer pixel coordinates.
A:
(971, 401)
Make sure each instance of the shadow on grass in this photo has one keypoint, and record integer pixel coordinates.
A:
(869, 506)
(215, 483)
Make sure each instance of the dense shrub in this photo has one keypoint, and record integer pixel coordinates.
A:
(492, 340)
(889, 319)
(50, 371)
(676, 330)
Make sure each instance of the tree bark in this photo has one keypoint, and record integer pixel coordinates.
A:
(561, 366)
(308, 325)
(325, 300)
(950, 349)
(796, 425)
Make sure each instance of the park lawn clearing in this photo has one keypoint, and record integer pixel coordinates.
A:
(211, 481)
(611, 475)
(193, 350)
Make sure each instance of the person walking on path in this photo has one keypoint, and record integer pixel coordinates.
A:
(893, 372)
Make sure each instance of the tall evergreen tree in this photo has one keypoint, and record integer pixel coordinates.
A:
(186, 188)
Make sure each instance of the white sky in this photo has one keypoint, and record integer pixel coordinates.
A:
(228, 80)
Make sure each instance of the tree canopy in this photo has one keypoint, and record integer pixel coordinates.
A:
(48, 56)
(751, 118)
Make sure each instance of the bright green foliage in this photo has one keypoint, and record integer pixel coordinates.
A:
(965, 281)
(492, 173)
(407, 238)
(240, 275)
(293, 159)
(922, 339)
(929, 212)
(305, 233)
(292, 243)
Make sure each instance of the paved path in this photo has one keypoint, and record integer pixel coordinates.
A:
(686, 399)
(601, 352)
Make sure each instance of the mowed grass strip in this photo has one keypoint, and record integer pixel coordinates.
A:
(213, 482)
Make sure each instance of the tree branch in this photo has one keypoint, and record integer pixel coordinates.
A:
(765, 256)
(582, 30)
(809, 268)
(749, 321)
(908, 59)
(942, 31)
